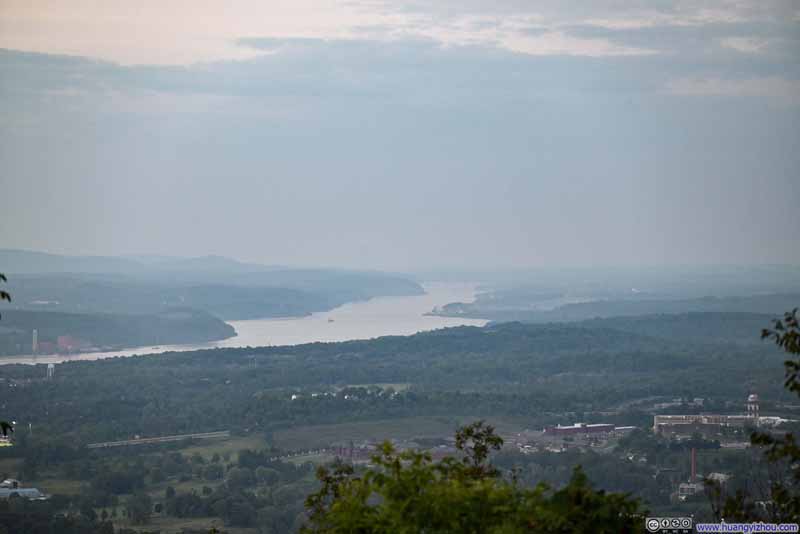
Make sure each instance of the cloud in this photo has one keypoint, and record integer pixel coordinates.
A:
(750, 45)
(781, 39)
(157, 33)
(299, 74)
(787, 91)
(323, 150)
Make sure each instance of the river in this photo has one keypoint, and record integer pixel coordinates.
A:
(382, 316)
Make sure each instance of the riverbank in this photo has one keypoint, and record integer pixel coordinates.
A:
(377, 317)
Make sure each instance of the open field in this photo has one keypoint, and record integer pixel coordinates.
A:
(10, 466)
(316, 436)
(230, 446)
(58, 486)
(156, 491)
(316, 459)
(400, 386)
(173, 525)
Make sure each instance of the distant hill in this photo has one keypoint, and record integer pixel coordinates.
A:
(26, 261)
(222, 286)
(31, 262)
(773, 304)
(208, 264)
(703, 327)
(115, 294)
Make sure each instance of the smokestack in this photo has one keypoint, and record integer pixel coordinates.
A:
(694, 465)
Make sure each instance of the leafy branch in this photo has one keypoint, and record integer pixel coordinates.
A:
(782, 499)
(5, 426)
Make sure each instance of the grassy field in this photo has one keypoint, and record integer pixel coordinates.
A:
(316, 459)
(170, 525)
(54, 486)
(156, 491)
(309, 437)
(10, 466)
(231, 446)
(400, 386)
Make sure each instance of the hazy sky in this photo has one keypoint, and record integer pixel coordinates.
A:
(403, 134)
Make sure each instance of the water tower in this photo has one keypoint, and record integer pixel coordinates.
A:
(51, 370)
(752, 406)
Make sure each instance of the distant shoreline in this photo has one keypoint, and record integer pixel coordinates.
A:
(365, 319)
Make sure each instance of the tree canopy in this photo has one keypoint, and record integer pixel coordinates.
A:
(408, 492)
(5, 426)
(780, 502)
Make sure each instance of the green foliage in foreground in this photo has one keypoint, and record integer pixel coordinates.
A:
(407, 492)
(4, 295)
(5, 426)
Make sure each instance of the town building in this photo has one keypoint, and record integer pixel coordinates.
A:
(582, 428)
(706, 424)
(689, 489)
(70, 344)
(11, 487)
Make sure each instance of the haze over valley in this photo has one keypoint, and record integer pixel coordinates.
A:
(407, 266)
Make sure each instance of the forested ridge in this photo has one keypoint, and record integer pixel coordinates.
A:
(508, 368)
(537, 375)
(518, 305)
(226, 288)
